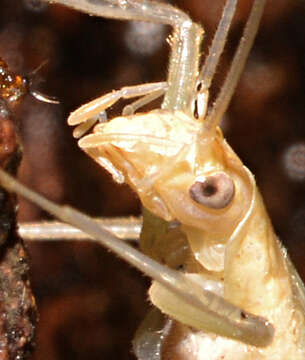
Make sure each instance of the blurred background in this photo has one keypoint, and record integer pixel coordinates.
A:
(90, 302)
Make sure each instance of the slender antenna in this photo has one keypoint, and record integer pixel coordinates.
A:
(209, 68)
(38, 68)
(35, 93)
(238, 63)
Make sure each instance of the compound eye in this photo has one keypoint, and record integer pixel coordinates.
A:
(215, 191)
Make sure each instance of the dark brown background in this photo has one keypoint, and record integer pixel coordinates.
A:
(90, 302)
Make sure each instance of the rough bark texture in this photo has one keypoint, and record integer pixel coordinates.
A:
(17, 304)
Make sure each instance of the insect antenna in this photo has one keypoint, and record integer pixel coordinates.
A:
(38, 68)
(219, 40)
(222, 102)
(27, 82)
(35, 93)
(182, 81)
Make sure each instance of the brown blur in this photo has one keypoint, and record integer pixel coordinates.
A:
(90, 302)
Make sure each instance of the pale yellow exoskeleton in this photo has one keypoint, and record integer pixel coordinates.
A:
(231, 291)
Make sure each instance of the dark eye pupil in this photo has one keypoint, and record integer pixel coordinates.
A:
(216, 191)
(209, 190)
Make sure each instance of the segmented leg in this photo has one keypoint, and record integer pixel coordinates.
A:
(208, 306)
(185, 42)
(88, 112)
(182, 81)
(129, 10)
(130, 109)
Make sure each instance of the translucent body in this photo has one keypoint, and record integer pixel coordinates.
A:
(228, 246)
(160, 155)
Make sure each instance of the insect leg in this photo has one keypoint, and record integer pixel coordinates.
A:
(185, 41)
(128, 10)
(96, 106)
(133, 107)
(206, 308)
(125, 228)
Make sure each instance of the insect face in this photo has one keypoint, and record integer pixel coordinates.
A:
(178, 170)
(184, 172)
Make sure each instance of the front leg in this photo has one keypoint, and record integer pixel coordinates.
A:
(129, 10)
(86, 115)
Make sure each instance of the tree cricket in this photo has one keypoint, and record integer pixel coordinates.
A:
(233, 291)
